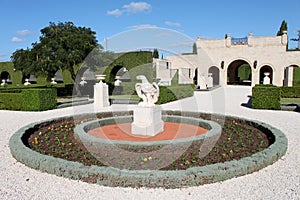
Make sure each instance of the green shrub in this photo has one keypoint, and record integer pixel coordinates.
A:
(290, 92)
(11, 101)
(266, 97)
(39, 99)
(173, 93)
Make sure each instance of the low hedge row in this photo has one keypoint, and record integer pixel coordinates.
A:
(266, 97)
(32, 99)
(173, 93)
(62, 89)
(290, 92)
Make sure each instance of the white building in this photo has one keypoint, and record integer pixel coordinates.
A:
(239, 61)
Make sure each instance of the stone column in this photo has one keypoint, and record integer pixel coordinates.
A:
(228, 40)
(290, 74)
(101, 97)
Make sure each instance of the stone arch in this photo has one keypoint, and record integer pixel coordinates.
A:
(239, 72)
(5, 76)
(59, 77)
(215, 74)
(292, 75)
(265, 69)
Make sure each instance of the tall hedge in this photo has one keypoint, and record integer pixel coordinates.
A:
(266, 97)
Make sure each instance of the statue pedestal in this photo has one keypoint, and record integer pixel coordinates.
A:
(147, 121)
(101, 98)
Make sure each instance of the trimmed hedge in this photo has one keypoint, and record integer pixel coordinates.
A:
(39, 99)
(290, 92)
(11, 101)
(28, 99)
(173, 93)
(266, 97)
(62, 89)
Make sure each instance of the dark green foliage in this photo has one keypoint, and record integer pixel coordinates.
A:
(130, 60)
(155, 53)
(290, 92)
(64, 90)
(194, 48)
(30, 99)
(266, 97)
(283, 28)
(61, 46)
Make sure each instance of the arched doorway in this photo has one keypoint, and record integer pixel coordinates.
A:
(262, 71)
(215, 75)
(292, 76)
(196, 77)
(5, 76)
(239, 73)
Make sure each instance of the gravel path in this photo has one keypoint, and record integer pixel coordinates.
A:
(278, 181)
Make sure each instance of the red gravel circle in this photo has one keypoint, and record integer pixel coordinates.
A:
(123, 132)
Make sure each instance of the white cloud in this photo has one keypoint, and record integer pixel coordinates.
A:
(25, 32)
(116, 12)
(141, 26)
(131, 8)
(176, 24)
(16, 39)
(137, 7)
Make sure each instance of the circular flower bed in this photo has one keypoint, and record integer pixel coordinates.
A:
(243, 147)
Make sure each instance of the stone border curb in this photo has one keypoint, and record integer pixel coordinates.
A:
(80, 131)
(109, 176)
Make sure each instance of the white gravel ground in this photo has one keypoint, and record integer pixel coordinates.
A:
(278, 181)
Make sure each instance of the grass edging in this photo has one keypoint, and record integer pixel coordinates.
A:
(109, 176)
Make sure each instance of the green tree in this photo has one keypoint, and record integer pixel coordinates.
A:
(283, 28)
(155, 53)
(194, 48)
(61, 46)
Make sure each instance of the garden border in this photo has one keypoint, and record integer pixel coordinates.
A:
(109, 176)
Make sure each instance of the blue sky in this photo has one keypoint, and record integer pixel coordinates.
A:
(22, 20)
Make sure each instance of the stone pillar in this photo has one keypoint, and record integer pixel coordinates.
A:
(290, 74)
(147, 121)
(250, 39)
(228, 40)
(101, 97)
(284, 38)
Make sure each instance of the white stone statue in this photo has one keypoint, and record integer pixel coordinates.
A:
(149, 92)
(3, 82)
